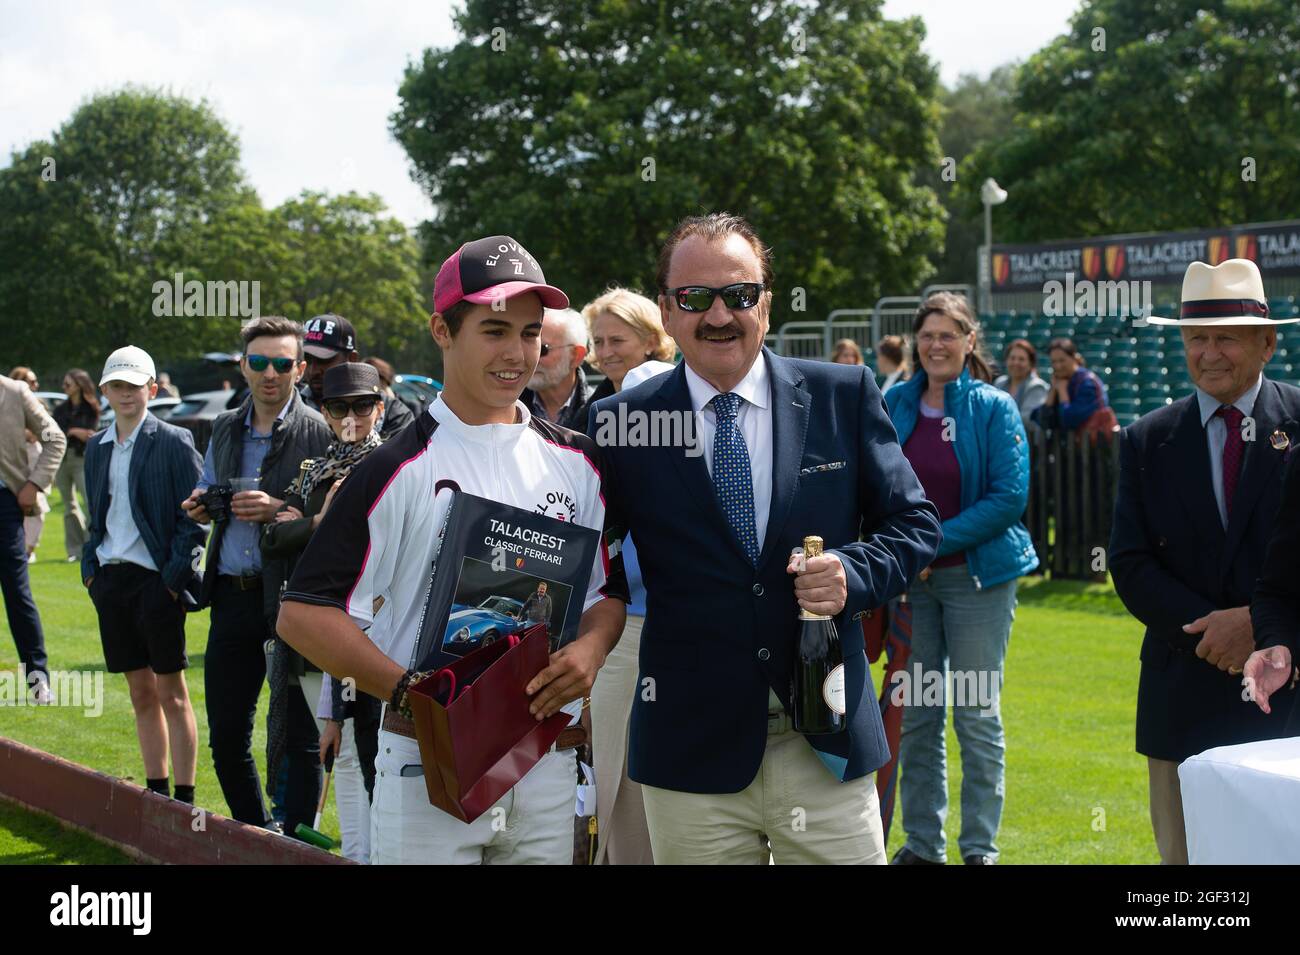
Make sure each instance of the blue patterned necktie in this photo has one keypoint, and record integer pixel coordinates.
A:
(731, 476)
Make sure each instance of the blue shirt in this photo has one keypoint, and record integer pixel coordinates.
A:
(241, 551)
(122, 540)
(1216, 432)
(635, 586)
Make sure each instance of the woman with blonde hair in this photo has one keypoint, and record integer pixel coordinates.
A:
(626, 332)
(847, 352)
(630, 345)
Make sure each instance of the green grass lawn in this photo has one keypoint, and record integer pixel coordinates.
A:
(27, 838)
(106, 742)
(1075, 789)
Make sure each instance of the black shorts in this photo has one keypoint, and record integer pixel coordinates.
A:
(140, 625)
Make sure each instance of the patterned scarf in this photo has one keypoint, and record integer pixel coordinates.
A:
(338, 461)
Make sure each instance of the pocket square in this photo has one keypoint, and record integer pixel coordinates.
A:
(817, 468)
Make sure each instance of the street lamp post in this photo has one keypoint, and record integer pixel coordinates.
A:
(991, 194)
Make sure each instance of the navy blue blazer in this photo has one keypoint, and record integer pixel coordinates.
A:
(1173, 562)
(165, 468)
(719, 631)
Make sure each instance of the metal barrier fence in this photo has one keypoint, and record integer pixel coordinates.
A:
(891, 315)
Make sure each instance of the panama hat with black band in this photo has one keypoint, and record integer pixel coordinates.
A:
(1230, 293)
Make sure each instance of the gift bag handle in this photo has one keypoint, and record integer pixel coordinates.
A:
(445, 676)
(448, 676)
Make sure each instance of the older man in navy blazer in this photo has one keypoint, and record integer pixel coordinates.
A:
(1200, 483)
(784, 449)
(140, 562)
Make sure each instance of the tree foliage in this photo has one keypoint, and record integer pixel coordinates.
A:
(1160, 129)
(144, 185)
(588, 128)
(112, 203)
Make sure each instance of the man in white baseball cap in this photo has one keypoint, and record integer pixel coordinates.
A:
(138, 563)
(1200, 484)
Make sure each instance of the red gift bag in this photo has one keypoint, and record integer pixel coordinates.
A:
(477, 738)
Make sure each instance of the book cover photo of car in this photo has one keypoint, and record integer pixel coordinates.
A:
(491, 605)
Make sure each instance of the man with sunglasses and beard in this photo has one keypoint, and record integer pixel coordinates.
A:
(558, 390)
(773, 449)
(261, 444)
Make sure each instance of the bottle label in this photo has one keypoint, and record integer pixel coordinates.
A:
(833, 690)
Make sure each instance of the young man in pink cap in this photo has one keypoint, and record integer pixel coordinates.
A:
(354, 603)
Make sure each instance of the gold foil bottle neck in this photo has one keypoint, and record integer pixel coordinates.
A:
(812, 547)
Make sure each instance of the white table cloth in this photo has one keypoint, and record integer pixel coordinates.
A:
(1241, 804)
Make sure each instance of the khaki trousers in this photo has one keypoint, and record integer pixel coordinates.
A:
(623, 836)
(794, 810)
(1167, 811)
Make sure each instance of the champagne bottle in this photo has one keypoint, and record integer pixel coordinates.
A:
(817, 686)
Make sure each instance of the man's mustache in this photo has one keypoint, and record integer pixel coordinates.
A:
(734, 328)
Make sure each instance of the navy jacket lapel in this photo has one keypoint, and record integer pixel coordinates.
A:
(675, 396)
(97, 482)
(790, 407)
(143, 448)
(1257, 468)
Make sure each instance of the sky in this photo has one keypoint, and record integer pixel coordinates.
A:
(309, 87)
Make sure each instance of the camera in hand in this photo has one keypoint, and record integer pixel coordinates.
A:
(216, 501)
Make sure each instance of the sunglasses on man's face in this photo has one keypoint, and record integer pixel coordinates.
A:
(282, 365)
(340, 408)
(547, 349)
(699, 298)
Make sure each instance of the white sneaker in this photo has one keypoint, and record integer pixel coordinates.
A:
(31, 558)
(41, 695)
(72, 560)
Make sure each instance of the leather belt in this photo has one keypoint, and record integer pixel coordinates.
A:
(395, 722)
(570, 737)
(778, 722)
(251, 582)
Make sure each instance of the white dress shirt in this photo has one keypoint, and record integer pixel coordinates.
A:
(122, 540)
(755, 422)
(1216, 430)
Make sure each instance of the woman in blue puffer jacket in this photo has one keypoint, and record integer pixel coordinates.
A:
(966, 442)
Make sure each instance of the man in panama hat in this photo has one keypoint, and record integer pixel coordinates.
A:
(1199, 486)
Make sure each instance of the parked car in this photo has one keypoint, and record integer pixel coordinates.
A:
(469, 627)
(162, 407)
(197, 412)
(416, 391)
(51, 399)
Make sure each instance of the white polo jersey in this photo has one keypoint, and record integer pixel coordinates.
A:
(372, 553)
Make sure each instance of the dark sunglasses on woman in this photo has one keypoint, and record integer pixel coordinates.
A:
(699, 298)
(340, 408)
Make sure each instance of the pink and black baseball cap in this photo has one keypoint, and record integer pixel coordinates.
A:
(489, 269)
